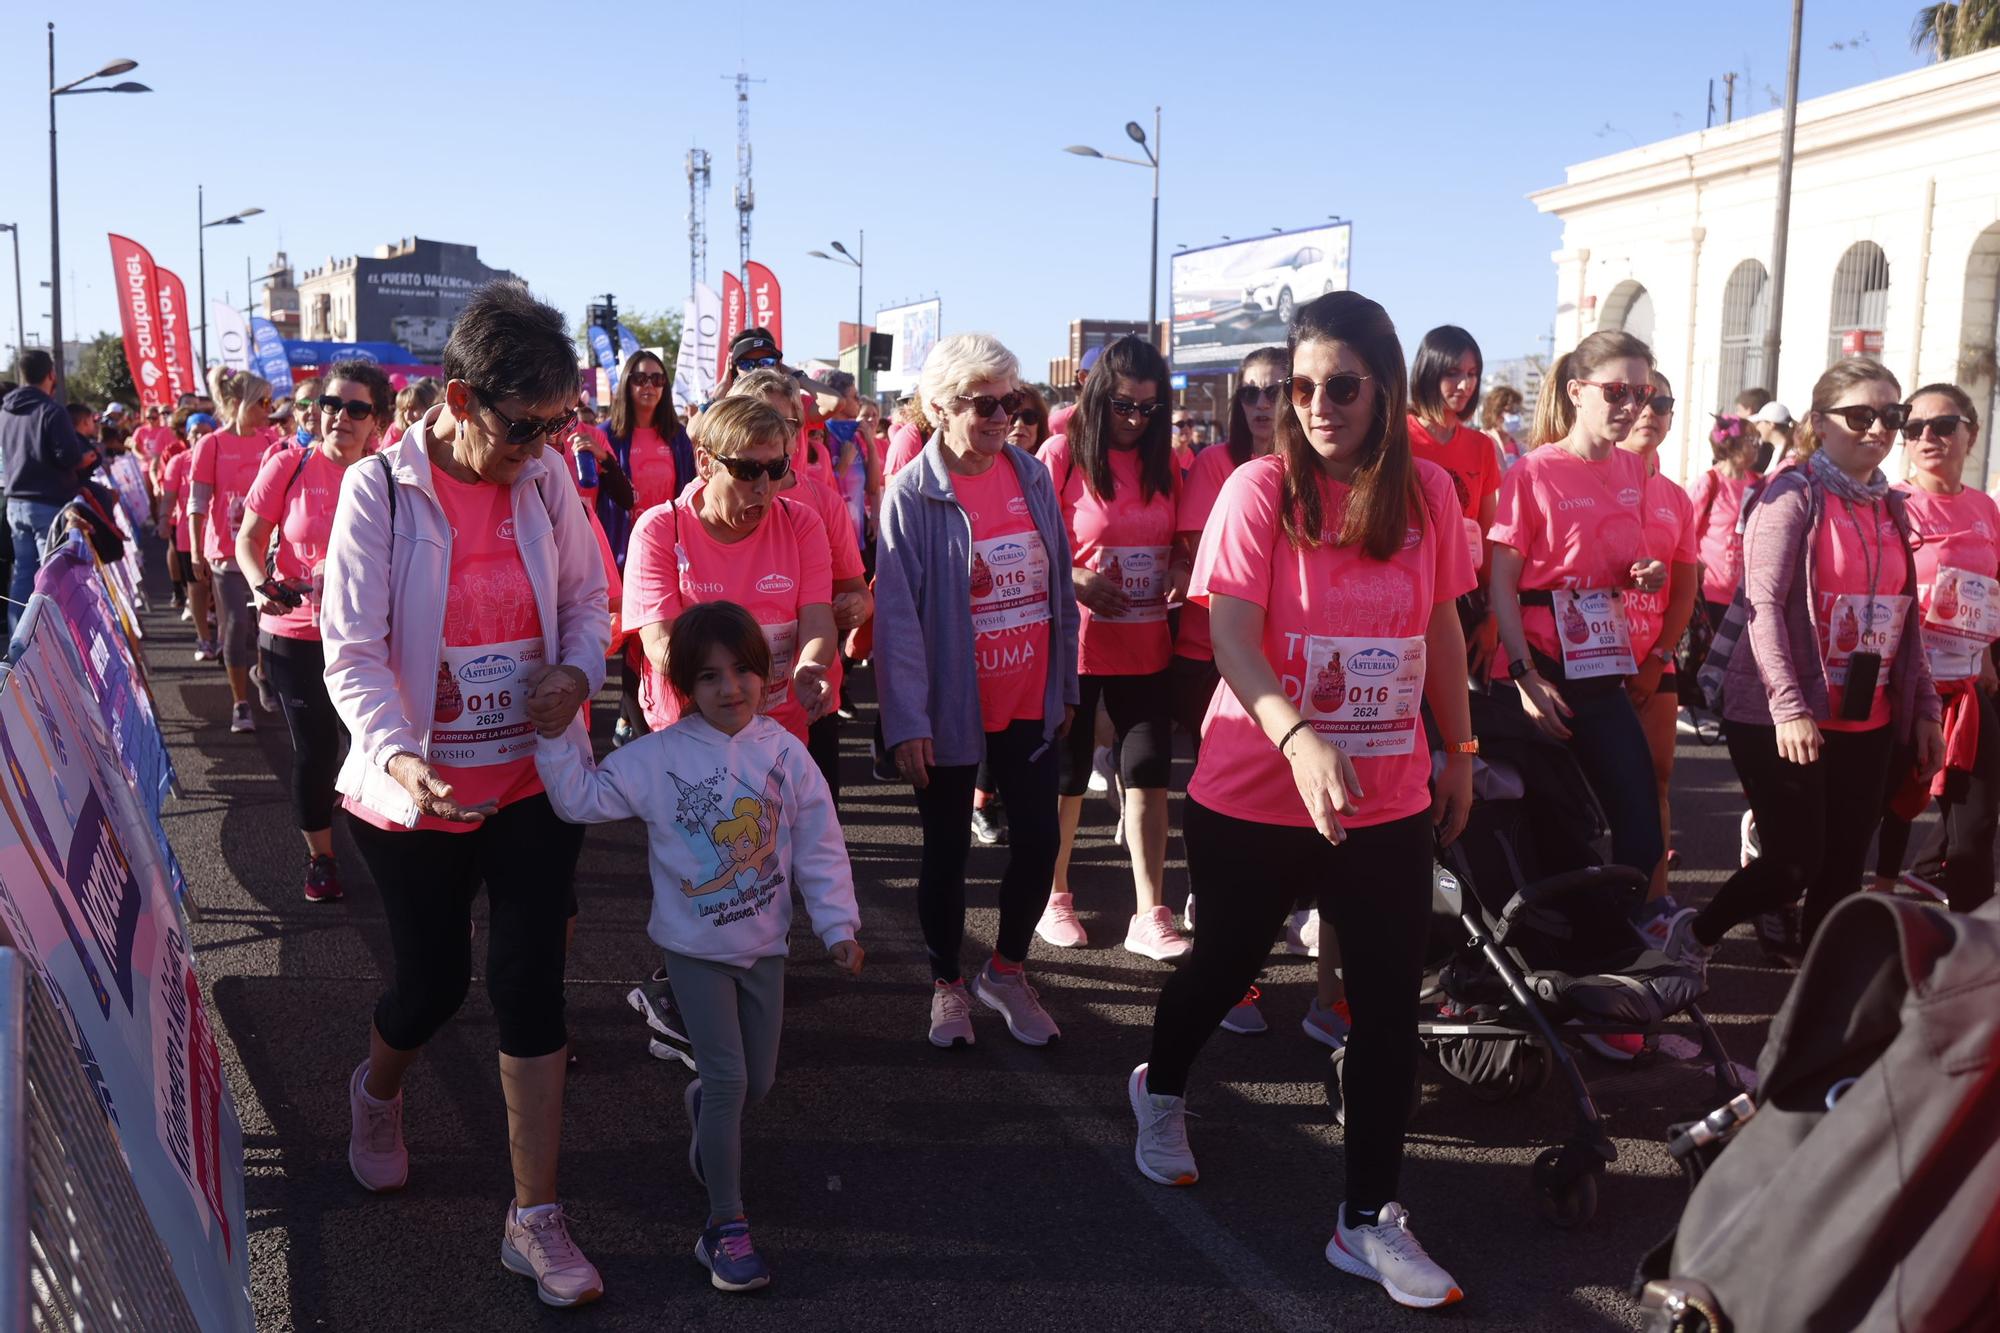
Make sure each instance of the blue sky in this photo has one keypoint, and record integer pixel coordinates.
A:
(553, 140)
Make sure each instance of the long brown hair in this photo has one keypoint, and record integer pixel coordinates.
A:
(1240, 443)
(1555, 414)
(1090, 425)
(1385, 497)
(624, 415)
(1841, 376)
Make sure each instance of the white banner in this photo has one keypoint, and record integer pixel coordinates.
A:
(701, 332)
(230, 335)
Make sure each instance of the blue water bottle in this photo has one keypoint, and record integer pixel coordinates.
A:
(586, 469)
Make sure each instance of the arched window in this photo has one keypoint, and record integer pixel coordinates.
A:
(1978, 370)
(1860, 302)
(1630, 308)
(1746, 318)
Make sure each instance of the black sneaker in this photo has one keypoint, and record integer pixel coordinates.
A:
(654, 999)
(322, 880)
(988, 828)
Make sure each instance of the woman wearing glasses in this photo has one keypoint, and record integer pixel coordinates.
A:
(1115, 478)
(225, 464)
(464, 612)
(294, 496)
(1823, 673)
(1958, 601)
(1444, 388)
(1568, 540)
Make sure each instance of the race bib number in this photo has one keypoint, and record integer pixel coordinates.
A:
(784, 640)
(1961, 618)
(236, 510)
(1858, 623)
(1595, 637)
(481, 717)
(1142, 572)
(1010, 582)
(1364, 695)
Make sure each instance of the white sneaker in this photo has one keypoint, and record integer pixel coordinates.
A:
(951, 1015)
(1100, 769)
(537, 1244)
(1659, 928)
(1751, 847)
(1009, 995)
(1162, 1151)
(375, 1151)
(1059, 925)
(1389, 1253)
(1302, 933)
(240, 719)
(1152, 935)
(187, 614)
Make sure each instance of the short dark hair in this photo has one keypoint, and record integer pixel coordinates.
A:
(379, 389)
(1959, 397)
(507, 344)
(1752, 401)
(709, 625)
(1438, 355)
(79, 411)
(36, 365)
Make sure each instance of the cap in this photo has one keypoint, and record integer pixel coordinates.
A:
(203, 420)
(751, 342)
(1773, 413)
(1090, 356)
(114, 410)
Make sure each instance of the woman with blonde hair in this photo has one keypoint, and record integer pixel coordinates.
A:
(224, 468)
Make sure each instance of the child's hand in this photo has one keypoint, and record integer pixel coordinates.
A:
(847, 957)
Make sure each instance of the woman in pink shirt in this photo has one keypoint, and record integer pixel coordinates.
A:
(225, 465)
(1115, 479)
(295, 494)
(1718, 499)
(1330, 569)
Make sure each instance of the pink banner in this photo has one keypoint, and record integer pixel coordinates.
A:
(767, 307)
(733, 321)
(175, 340)
(139, 309)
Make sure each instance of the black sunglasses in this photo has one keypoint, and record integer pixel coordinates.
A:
(1260, 393)
(1861, 418)
(358, 409)
(649, 378)
(527, 430)
(757, 363)
(1125, 407)
(1939, 428)
(1025, 417)
(984, 404)
(1661, 403)
(1617, 391)
(748, 470)
(1341, 390)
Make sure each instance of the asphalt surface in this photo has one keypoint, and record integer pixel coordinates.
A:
(892, 1185)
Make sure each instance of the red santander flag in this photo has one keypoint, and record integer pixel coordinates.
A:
(139, 309)
(733, 322)
(175, 341)
(767, 305)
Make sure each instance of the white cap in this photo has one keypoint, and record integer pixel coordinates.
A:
(1773, 413)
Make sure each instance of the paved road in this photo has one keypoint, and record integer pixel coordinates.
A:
(893, 1186)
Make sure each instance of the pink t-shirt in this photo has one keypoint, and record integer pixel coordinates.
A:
(1957, 532)
(654, 478)
(905, 443)
(180, 471)
(1010, 596)
(228, 464)
(1850, 540)
(1718, 509)
(1575, 523)
(152, 439)
(1669, 537)
(1468, 456)
(1212, 467)
(779, 569)
(1130, 541)
(296, 491)
(1338, 630)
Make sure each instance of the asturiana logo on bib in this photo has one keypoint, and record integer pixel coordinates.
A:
(1373, 662)
(486, 669)
(1007, 554)
(1139, 562)
(505, 532)
(1629, 496)
(774, 583)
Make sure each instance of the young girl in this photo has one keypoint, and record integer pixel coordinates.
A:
(736, 815)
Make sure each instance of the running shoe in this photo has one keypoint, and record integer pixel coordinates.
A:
(1100, 769)
(375, 1151)
(1302, 933)
(240, 719)
(1781, 935)
(1749, 845)
(1658, 926)
(1328, 1024)
(537, 1244)
(732, 1262)
(1389, 1253)
(691, 1099)
(1910, 884)
(187, 612)
(1683, 947)
(654, 999)
(1059, 925)
(207, 650)
(1154, 935)
(989, 827)
(951, 1015)
(1162, 1151)
(322, 880)
(1010, 995)
(266, 699)
(1246, 1017)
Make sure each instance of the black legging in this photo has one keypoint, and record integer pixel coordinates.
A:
(295, 669)
(1026, 781)
(1814, 822)
(1142, 717)
(1958, 855)
(1376, 890)
(823, 744)
(1192, 681)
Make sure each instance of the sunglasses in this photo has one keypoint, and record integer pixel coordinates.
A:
(1125, 407)
(1861, 418)
(655, 379)
(358, 409)
(747, 470)
(1661, 403)
(1253, 394)
(1341, 390)
(1938, 428)
(1617, 391)
(752, 363)
(984, 404)
(527, 430)
(1029, 417)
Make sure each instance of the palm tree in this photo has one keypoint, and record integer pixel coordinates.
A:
(1956, 28)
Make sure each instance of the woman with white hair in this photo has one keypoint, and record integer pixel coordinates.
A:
(975, 657)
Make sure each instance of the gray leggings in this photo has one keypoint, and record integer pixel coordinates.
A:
(235, 617)
(734, 1016)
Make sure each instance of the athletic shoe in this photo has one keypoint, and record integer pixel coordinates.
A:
(1781, 935)
(537, 1244)
(732, 1262)
(1389, 1253)
(1009, 995)
(654, 999)
(240, 719)
(691, 1099)
(1657, 929)
(1750, 846)
(322, 880)
(1328, 1024)
(985, 828)
(1059, 925)
(1162, 1151)
(1101, 773)
(1302, 933)
(375, 1152)
(1153, 935)
(1246, 1017)
(266, 699)
(1683, 947)
(1187, 916)
(1622, 1047)
(1912, 885)
(951, 1015)
(207, 650)
(187, 612)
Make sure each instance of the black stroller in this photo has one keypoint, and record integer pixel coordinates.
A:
(1531, 933)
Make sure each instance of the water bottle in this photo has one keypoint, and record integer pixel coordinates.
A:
(586, 469)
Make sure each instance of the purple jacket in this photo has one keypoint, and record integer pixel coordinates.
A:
(1782, 677)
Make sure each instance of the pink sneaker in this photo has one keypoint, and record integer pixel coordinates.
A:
(537, 1244)
(1059, 925)
(375, 1151)
(1153, 935)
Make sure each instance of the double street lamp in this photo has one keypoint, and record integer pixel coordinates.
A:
(853, 258)
(201, 258)
(1137, 134)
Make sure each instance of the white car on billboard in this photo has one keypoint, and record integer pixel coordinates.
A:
(1306, 274)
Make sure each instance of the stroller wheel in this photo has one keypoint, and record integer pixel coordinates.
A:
(1566, 1201)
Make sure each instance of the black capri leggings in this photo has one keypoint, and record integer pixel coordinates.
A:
(526, 857)
(1958, 854)
(1141, 715)
(296, 671)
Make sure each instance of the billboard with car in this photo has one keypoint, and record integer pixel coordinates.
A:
(1232, 298)
(915, 331)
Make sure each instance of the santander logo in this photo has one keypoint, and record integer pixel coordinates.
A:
(775, 583)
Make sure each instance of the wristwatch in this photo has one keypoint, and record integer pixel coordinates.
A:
(1464, 747)
(1520, 667)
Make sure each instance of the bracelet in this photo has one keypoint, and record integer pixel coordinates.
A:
(1296, 728)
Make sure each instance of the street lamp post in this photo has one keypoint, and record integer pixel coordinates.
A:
(1137, 134)
(855, 259)
(20, 318)
(201, 258)
(55, 216)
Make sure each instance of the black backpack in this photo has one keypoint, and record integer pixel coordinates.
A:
(1862, 1188)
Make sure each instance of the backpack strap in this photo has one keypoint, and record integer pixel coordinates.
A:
(284, 497)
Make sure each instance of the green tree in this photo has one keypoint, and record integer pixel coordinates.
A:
(1956, 28)
(101, 376)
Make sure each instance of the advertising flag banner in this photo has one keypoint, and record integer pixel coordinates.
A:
(87, 900)
(733, 322)
(688, 363)
(139, 313)
(1232, 299)
(232, 335)
(628, 344)
(176, 339)
(607, 355)
(270, 358)
(767, 302)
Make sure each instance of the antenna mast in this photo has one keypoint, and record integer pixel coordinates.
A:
(697, 171)
(746, 194)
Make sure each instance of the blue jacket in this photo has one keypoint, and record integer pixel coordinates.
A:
(925, 666)
(40, 447)
(616, 519)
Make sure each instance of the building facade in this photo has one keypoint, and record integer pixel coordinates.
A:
(1894, 248)
(407, 293)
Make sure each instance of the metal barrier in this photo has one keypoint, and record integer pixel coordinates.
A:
(77, 1252)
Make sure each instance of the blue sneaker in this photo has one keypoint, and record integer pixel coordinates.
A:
(691, 1099)
(733, 1264)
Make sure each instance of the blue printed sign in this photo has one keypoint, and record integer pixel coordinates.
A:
(270, 360)
(607, 356)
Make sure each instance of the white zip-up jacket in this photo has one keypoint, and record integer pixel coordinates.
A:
(733, 825)
(382, 620)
